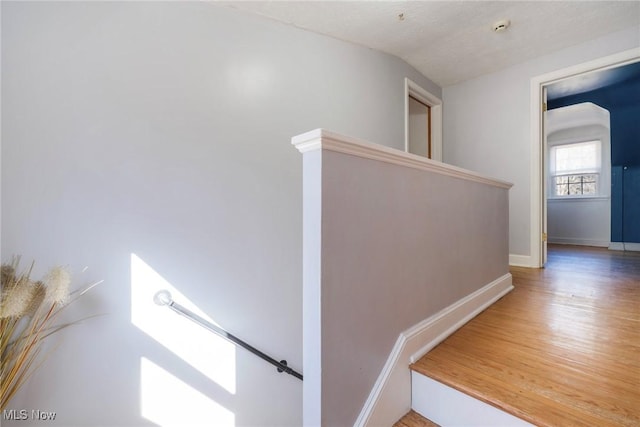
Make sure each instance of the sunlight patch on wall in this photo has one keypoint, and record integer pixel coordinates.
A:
(168, 401)
(210, 354)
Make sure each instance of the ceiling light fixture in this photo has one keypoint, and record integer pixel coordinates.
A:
(501, 25)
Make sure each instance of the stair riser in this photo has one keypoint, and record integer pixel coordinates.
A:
(449, 407)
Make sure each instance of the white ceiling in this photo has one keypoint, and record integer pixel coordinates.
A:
(452, 41)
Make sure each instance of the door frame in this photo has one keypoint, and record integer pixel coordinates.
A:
(435, 104)
(538, 179)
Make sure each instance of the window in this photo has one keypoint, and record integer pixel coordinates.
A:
(576, 185)
(575, 169)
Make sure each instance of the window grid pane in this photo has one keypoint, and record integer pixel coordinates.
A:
(575, 189)
(576, 185)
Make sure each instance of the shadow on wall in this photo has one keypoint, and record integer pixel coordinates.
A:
(137, 141)
(166, 399)
(141, 364)
(184, 374)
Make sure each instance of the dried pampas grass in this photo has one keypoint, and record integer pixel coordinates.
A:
(28, 310)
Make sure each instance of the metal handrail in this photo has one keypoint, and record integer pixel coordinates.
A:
(164, 298)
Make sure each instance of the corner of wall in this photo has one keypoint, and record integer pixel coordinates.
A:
(521, 261)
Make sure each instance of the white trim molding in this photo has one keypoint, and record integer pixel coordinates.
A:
(390, 397)
(435, 104)
(521, 261)
(320, 139)
(578, 242)
(624, 246)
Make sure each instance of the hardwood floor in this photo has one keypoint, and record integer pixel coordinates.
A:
(413, 419)
(562, 349)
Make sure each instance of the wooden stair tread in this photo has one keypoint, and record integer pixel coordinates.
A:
(413, 419)
(563, 348)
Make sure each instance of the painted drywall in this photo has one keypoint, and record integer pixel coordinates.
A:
(150, 141)
(623, 102)
(631, 206)
(384, 249)
(580, 221)
(487, 124)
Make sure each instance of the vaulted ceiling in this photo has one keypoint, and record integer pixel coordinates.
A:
(453, 41)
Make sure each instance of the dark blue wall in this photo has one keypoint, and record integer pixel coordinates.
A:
(623, 102)
(631, 204)
(617, 207)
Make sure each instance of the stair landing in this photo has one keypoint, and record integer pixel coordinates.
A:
(561, 349)
(413, 419)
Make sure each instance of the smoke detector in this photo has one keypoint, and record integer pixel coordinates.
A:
(501, 25)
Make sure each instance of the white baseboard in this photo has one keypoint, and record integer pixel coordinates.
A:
(390, 397)
(447, 406)
(616, 246)
(520, 260)
(579, 242)
(631, 246)
(624, 246)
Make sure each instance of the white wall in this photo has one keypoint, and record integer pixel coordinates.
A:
(162, 129)
(487, 129)
(583, 220)
(580, 221)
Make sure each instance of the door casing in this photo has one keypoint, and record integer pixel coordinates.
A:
(435, 104)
